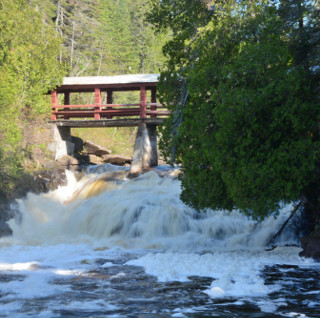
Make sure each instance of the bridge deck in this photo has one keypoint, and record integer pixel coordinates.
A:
(107, 122)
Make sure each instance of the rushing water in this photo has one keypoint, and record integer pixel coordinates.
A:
(106, 246)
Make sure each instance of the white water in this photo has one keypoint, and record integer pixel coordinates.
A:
(62, 234)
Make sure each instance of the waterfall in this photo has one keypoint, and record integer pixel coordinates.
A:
(143, 212)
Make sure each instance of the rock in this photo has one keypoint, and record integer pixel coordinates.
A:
(68, 162)
(94, 149)
(36, 182)
(311, 246)
(115, 176)
(95, 159)
(5, 229)
(116, 159)
(82, 158)
(48, 180)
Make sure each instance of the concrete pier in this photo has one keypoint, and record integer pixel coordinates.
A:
(61, 143)
(145, 153)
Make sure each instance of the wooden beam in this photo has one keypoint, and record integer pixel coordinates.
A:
(158, 113)
(143, 102)
(109, 100)
(107, 122)
(97, 99)
(67, 98)
(54, 104)
(109, 96)
(66, 102)
(104, 113)
(153, 100)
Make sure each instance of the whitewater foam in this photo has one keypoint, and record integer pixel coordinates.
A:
(145, 212)
(77, 234)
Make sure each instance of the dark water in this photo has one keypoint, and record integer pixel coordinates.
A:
(126, 291)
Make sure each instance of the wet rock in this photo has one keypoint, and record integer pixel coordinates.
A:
(311, 246)
(48, 180)
(115, 176)
(134, 175)
(68, 162)
(94, 149)
(36, 182)
(5, 229)
(95, 159)
(116, 159)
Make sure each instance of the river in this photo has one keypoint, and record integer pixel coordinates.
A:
(108, 246)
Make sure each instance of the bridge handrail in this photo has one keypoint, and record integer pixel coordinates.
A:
(106, 110)
(109, 109)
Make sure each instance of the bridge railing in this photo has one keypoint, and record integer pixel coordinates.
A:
(98, 110)
(108, 111)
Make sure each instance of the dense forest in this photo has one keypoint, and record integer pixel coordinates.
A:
(43, 40)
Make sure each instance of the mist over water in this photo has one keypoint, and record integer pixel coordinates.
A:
(105, 245)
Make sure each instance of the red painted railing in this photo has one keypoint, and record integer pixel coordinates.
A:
(98, 111)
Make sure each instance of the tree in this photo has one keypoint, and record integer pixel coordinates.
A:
(245, 112)
(28, 68)
(147, 44)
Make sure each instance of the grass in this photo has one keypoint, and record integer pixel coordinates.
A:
(118, 140)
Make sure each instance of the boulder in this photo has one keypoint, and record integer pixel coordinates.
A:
(94, 149)
(311, 246)
(116, 159)
(5, 229)
(68, 162)
(95, 159)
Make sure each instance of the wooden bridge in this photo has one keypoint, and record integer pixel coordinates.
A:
(146, 113)
(107, 113)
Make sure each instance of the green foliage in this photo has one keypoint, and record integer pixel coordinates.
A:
(245, 113)
(107, 37)
(28, 70)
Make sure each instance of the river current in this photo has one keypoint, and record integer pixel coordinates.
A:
(108, 246)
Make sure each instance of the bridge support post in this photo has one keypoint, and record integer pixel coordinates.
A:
(54, 104)
(66, 102)
(145, 153)
(153, 100)
(109, 101)
(61, 144)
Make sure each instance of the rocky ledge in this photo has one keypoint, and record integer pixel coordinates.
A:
(36, 182)
(311, 246)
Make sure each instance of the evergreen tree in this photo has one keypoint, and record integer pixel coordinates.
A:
(28, 67)
(147, 44)
(242, 86)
